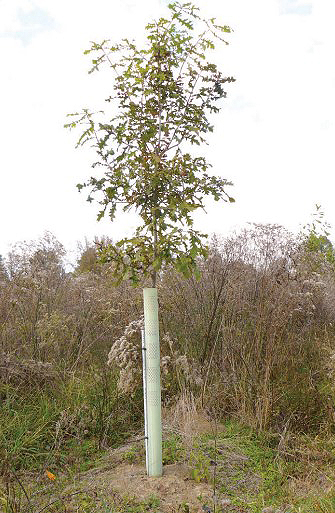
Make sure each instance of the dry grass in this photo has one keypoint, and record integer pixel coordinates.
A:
(25, 373)
(253, 339)
(186, 419)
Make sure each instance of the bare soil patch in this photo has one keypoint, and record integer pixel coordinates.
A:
(173, 489)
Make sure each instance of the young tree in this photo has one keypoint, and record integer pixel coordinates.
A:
(163, 96)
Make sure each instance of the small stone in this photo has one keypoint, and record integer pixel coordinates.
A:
(225, 502)
(206, 509)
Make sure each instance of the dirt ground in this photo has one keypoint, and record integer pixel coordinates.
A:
(177, 491)
(174, 488)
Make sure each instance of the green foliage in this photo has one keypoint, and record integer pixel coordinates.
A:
(251, 471)
(173, 450)
(316, 242)
(131, 455)
(322, 245)
(163, 94)
(323, 505)
(43, 428)
(199, 464)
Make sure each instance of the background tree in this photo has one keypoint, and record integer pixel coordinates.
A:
(163, 96)
(315, 239)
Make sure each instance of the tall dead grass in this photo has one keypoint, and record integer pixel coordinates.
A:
(260, 324)
(253, 338)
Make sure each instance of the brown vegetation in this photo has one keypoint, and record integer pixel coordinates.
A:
(254, 337)
(252, 341)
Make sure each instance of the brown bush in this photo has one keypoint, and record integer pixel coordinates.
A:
(254, 337)
(258, 322)
(25, 373)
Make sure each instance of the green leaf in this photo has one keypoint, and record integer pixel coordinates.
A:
(157, 264)
(187, 206)
(197, 274)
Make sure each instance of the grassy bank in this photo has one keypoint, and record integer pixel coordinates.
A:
(64, 421)
(224, 467)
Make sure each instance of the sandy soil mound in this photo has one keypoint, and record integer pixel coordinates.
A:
(174, 488)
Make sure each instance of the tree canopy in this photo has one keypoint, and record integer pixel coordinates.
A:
(162, 99)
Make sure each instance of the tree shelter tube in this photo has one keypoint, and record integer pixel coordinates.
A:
(144, 368)
(154, 415)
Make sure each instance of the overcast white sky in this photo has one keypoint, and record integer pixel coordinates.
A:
(274, 138)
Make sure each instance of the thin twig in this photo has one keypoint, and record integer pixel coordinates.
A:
(210, 363)
(61, 499)
(23, 489)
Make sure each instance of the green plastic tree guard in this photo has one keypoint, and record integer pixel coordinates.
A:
(144, 364)
(153, 388)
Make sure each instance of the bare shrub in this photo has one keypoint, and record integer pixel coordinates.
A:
(23, 373)
(51, 315)
(256, 324)
(254, 336)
